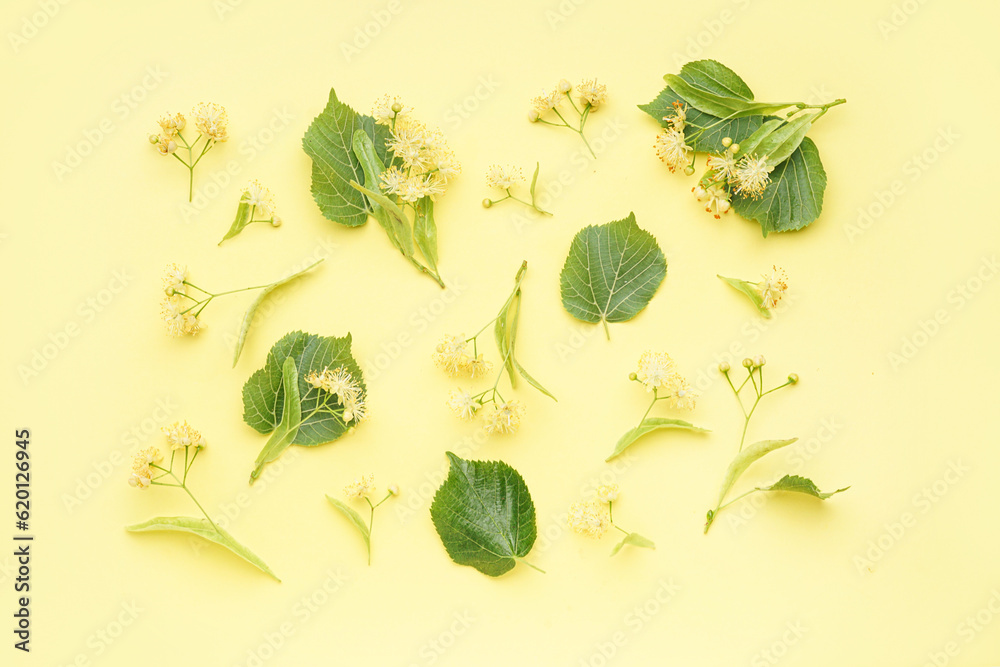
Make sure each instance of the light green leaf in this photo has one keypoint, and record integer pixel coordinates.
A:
(425, 232)
(356, 521)
(798, 484)
(241, 221)
(793, 198)
(291, 416)
(779, 145)
(389, 216)
(484, 515)
(534, 180)
(750, 291)
(329, 142)
(720, 106)
(649, 425)
(636, 540)
(399, 230)
(612, 272)
(252, 310)
(202, 528)
(263, 392)
(516, 304)
(749, 144)
(743, 460)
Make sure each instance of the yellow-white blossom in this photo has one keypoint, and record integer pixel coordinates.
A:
(165, 145)
(178, 322)
(463, 404)
(181, 435)
(592, 93)
(477, 366)
(752, 176)
(503, 178)
(212, 121)
(680, 395)
(259, 197)
(656, 370)
(772, 287)
(678, 119)
(607, 492)
(716, 197)
(384, 112)
(171, 124)
(672, 149)
(548, 99)
(589, 518)
(360, 487)
(450, 354)
(505, 417)
(173, 279)
(723, 166)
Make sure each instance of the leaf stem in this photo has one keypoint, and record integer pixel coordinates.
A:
(533, 567)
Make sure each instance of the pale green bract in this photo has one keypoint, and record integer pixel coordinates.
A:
(636, 540)
(204, 529)
(612, 272)
(648, 425)
(750, 291)
(484, 515)
(799, 484)
(351, 514)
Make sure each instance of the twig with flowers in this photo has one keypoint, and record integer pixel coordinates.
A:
(594, 518)
(255, 199)
(360, 489)
(747, 454)
(212, 123)
(764, 294)
(181, 309)
(453, 356)
(148, 470)
(504, 178)
(658, 373)
(591, 95)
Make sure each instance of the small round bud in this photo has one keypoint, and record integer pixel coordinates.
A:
(689, 170)
(793, 377)
(727, 141)
(533, 116)
(759, 361)
(393, 489)
(170, 291)
(487, 203)
(747, 363)
(276, 221)
(633, 376)
(565, 86)
(724, 367)
(734, 149)
(153, 139)
(699, 192)
(723, 206)
(396, 107)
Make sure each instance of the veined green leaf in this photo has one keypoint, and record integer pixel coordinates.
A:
(793, 198)
(391, 219)
(649, 425)
(749, 145)
(636, 540)
(798, 484)
(484, 515)
(252, 310)
(743, 460)
(611, 273)
(288, 427)
(396, 217)
(356, 521)
(720, 106)
(241, 221)
(425, 232)
(329, 142)
(750, 291)
(779, 145)
(205, 530)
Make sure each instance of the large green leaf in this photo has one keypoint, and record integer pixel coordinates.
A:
(252, 310)
(649, 425)
(329, 142)
(263, 392)
(612, 272)
(798, 484)
(205, 529)
(793, 198)
(484, 515)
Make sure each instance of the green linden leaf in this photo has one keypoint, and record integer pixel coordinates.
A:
(800, 485)
(649, 425)
(263, 393)
(203, 528)
(636, 540)
(793, 198)
(329, 141)
(252, 310)
(750, 291)
(612, 272)
(484, 515)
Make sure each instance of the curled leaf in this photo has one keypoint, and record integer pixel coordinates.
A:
(649, 425)
(799, 484)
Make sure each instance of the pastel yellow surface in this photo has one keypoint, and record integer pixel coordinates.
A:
(894, 572)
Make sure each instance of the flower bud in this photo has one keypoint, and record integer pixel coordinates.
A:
(723, 206)
(759, 361)
(394, 489)
(793, 377)
(689, 170)
(734, 149)
(747, 363)
(487, 203)
(699, 192)
(154, 139)
(633, 376)
(396, 107)
(724, 367)
(565, 86)
(276, 221)
(533, 116)
(727, 141)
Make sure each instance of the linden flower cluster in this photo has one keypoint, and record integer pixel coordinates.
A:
(590, 518)
(658, 373)
(178, 315)
(261, 200)
(360, 489)
(505, 178)
(427, 161)
(452, 356)
(590, 95)
(341, 384)
(146, 468)
(212, 123)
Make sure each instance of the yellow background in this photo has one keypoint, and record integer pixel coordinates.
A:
(843, 582)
